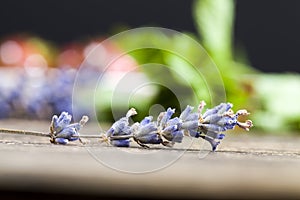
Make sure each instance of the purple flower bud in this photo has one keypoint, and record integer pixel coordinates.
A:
(214, 143)
(194, 133)
(186, 112)
(146, 129)
(150, 138)
(220, 136)
(67, 133)
(193, 117)
(224, 107)
(74, 138)
(220, 109)
(146, 120)
(59, 123)
(215, 135)
(212, 119)
(62, 131)
(64, 119)
(118, 127)
(61, 140)
(224, 120)
(172, 133)
(190, 125)
(110, 132)
(54, 121)
(220, 119)
(212, 127)
(146, 132)
(177, 136)
(121, 127)
(174, 121)
(166, 116)
(120, 143)
(170, 129)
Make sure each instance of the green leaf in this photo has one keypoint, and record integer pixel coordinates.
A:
(214, 21)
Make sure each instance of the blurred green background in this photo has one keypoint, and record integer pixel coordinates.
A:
(272, 99)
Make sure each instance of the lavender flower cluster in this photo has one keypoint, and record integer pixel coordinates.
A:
(167, 131)
(61, 131)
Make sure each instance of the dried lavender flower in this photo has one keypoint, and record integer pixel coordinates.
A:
(121, 128)
(146, 132)
(220, 119)
(190, 121)
(61, 131)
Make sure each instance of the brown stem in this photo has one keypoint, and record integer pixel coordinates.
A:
(24, 132)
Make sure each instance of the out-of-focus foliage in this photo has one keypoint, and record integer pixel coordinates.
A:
(244, 86)
(179, 64)
(214, 22)
(279, 98)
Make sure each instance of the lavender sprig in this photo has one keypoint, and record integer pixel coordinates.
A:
(167, 131)
(210, 126)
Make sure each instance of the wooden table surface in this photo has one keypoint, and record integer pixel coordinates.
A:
(244, 166)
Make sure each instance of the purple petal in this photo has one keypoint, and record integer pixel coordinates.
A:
(120, 143)
(221, 108)
(194, 133)
(146, 120)
(213, 127)
(77, 126)
(177, 136)
(151, 138)
(64, 119)
(73, 138)
(61, 140)
(186, 112)
(214, 143)
(215, 135)
(192, 117)
(144, 130)
(167, 116)
(212, 119)
(120, 127)
(169, 129)
(55, 121)
(174, 121)
(67, 133)
(190, 125)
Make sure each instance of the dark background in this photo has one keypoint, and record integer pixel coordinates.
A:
(269, 30)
